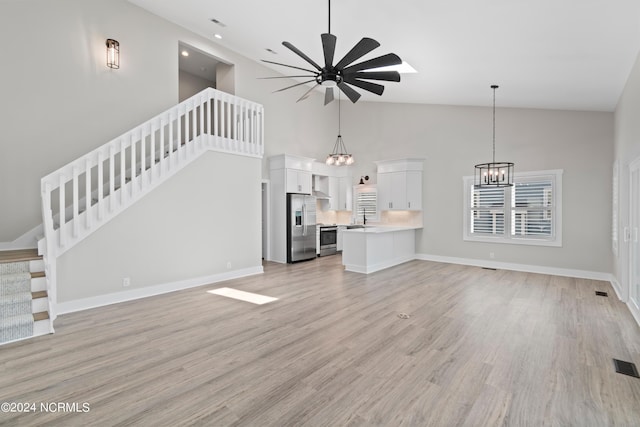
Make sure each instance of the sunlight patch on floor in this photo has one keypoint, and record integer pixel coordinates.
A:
(242, 295)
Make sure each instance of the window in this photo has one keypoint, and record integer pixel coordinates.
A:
(366, 203)
(529, 212)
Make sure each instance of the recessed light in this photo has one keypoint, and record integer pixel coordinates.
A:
(184, 53)
(218, 36)
(403, 68)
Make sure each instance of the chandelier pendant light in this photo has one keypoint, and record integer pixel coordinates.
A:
(494, 174)
(339, 155)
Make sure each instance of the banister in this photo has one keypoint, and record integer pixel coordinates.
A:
(124, 169)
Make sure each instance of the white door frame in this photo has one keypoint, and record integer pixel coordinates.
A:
(265, 185)
(632, 237)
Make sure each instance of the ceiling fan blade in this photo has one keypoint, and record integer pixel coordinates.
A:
(283, 77)
(363, 47)
(390, 76)
(306, 94)
(380, 61)
(349, 91)
(301, 54)
(290, 66)
(299, 84)
(328, 95)
(329, 48)
(371, 87)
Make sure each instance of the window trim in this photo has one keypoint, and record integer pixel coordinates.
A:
(366, 188)
(555, 175)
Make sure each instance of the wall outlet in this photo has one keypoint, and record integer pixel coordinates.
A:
(228, 264)
(492, 255)
(126, 282)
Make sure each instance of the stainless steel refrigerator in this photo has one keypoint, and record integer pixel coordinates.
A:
(301, 227)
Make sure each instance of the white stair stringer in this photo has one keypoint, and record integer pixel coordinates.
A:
(154, 151)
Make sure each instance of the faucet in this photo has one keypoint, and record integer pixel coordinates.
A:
(364, 217)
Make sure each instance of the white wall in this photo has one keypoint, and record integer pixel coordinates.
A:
(59, 100)
(80, 104)
(187, 228)
(627, 149)
(454, 139)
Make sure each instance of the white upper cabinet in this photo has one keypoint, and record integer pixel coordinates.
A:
(400, 184)
(298, 181)
(340, 193)
(414, 190)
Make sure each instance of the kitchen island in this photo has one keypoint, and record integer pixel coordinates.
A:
(374, 248)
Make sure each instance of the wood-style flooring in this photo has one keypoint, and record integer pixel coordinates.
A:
(19, 255)
(481, 348)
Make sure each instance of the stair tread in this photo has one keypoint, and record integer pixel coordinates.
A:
(39, 294)
(43, 315)
(37, 274)
(19, 255)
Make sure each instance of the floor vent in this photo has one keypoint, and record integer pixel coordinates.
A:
(403, 315)
(602, 294)
(626, 368)
(488, 268)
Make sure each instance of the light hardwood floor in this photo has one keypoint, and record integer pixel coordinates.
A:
(481, 348)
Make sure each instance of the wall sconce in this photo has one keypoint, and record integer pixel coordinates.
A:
(363, 179)
(113, 53)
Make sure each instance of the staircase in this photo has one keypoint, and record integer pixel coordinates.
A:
(24, 300)
(87, 193)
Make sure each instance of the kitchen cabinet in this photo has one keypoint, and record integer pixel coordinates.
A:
(341, 193)
(339, 238)
(399, 189)
(298, 181)
(370, 249)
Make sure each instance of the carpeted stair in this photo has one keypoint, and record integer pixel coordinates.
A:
(17, 317)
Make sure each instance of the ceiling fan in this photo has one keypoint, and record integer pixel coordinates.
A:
(343, 74)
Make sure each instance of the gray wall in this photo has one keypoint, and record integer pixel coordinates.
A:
(58, 76)
(80, 104)
(627, 149)
(191, 84)
(187, 228)
(454, 139)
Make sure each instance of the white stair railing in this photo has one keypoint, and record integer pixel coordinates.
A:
(80, 197)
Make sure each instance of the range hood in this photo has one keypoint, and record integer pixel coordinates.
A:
(320, 195)
(320, 183)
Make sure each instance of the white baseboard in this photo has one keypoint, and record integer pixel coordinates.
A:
(617, 288)
(554, 271)
(28, 240)
(133, 294)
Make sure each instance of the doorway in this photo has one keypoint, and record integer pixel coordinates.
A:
(266, 218)
(198, 70)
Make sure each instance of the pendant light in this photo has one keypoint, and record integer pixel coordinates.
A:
(494, 174)
(339, 156)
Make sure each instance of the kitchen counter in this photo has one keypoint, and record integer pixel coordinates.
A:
(374, 248)
(379, 229)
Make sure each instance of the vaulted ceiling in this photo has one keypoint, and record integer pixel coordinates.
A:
(567, 54)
